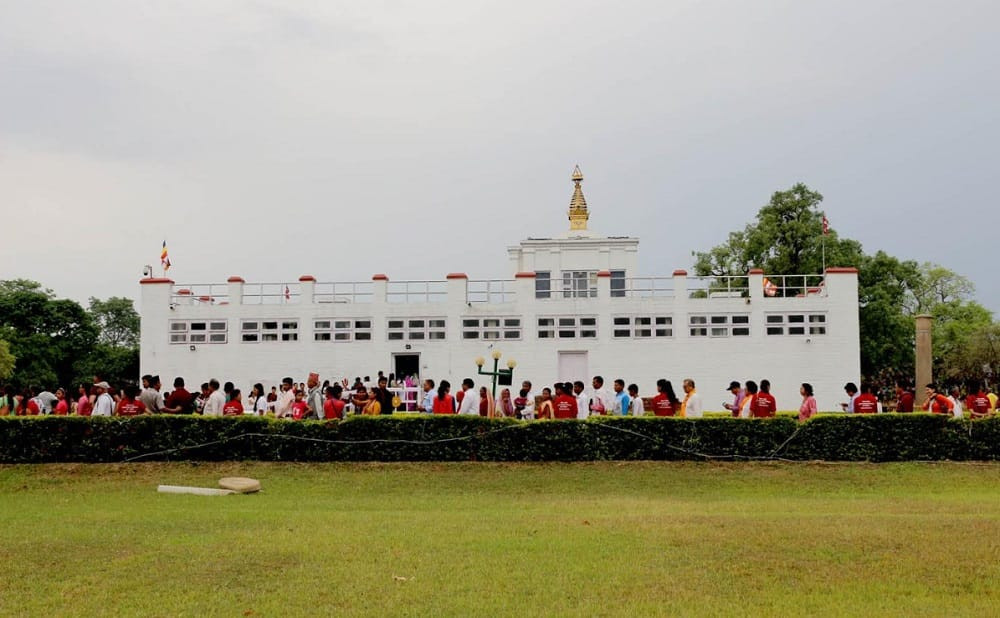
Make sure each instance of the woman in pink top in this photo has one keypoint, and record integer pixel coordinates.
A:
(808, 407)
(83, 405)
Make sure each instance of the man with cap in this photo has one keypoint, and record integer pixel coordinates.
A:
(738, 394)
(104, 405)
(314, 400)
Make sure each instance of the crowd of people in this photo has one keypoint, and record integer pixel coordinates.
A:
(387, 394)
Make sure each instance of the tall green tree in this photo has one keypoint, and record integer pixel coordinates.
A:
(785, 238)
(885, 285)
(48, 336)
(117, 320)
(7, 360)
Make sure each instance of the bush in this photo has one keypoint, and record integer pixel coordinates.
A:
(883, 437)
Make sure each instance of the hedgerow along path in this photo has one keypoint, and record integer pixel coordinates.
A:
(880, 438)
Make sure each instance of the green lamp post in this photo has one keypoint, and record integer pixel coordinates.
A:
(497, 372)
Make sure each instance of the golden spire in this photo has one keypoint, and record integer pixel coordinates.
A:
(578, 214)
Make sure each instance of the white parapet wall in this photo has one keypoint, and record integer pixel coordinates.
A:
(786, 329)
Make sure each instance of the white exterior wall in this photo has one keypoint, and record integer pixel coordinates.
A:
(827, 361)
(579, 253)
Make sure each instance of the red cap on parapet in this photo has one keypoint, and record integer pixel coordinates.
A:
(604, 273)
(235, 279)
(380, 277)
(680, 273)
(841, 270)
(457, 276)
(184, 292)
(307, 278)
(524, 275)
(149, 280)
(756, 271)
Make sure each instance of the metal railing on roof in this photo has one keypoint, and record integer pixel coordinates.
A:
(348, 292)
(401, 292)
(493, 291)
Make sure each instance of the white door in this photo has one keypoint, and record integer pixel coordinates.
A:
(573, 367)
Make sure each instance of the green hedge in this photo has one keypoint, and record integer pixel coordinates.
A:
(884, 437)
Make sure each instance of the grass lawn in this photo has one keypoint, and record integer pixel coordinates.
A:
(503, 539)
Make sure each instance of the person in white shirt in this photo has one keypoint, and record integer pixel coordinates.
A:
(852, 392)
(582, 400)
(470, 401)
(602, 401)
(692, 400)
(104, 405)
(216, 400)
(285, 399)
(528, 413)
(956, 398)
(635, 401)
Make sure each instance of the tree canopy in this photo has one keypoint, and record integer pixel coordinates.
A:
(7, 360)
(56, 342)
(786, 238)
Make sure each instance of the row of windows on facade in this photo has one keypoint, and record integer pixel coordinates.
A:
(577, 284)
(496, 328)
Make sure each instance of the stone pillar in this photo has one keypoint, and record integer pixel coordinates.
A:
(680, 317)
(755, 281)
(307, 289)
(380, 283)
(924, 352)
(235, 290)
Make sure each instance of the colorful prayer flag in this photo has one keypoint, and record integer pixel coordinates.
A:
(826, 226)
(164, 258)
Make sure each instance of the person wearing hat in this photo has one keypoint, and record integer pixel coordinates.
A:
(104, 405)
(314, 399)
(739, 394)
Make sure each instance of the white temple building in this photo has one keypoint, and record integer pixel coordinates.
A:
(572, 308)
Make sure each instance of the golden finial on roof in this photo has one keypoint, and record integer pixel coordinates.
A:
(578, 214)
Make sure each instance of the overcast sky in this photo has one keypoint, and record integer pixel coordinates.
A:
(341, 139)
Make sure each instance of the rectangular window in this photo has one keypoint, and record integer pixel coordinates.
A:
(543, 284)
(199, 331)
(328, 329)
(579, 284)
(491, 329)
(796, 324)
(722, 325)
(617, 284)
(416, 329)
(641, 326)
(565, 327)
(256, 331)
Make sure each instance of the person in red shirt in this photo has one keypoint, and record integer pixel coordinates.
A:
(978, 402)
(129, 404)
(62, 405)
(866, 403)
(179, 401)
(564, 405)
(665, 403)
(333, 407)
(83, 405)
(299, 406)
(444, 403)
(904, 399)
(764, 406)
(936, 402)
(234, 407)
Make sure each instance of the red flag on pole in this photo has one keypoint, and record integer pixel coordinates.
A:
(826, 226)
